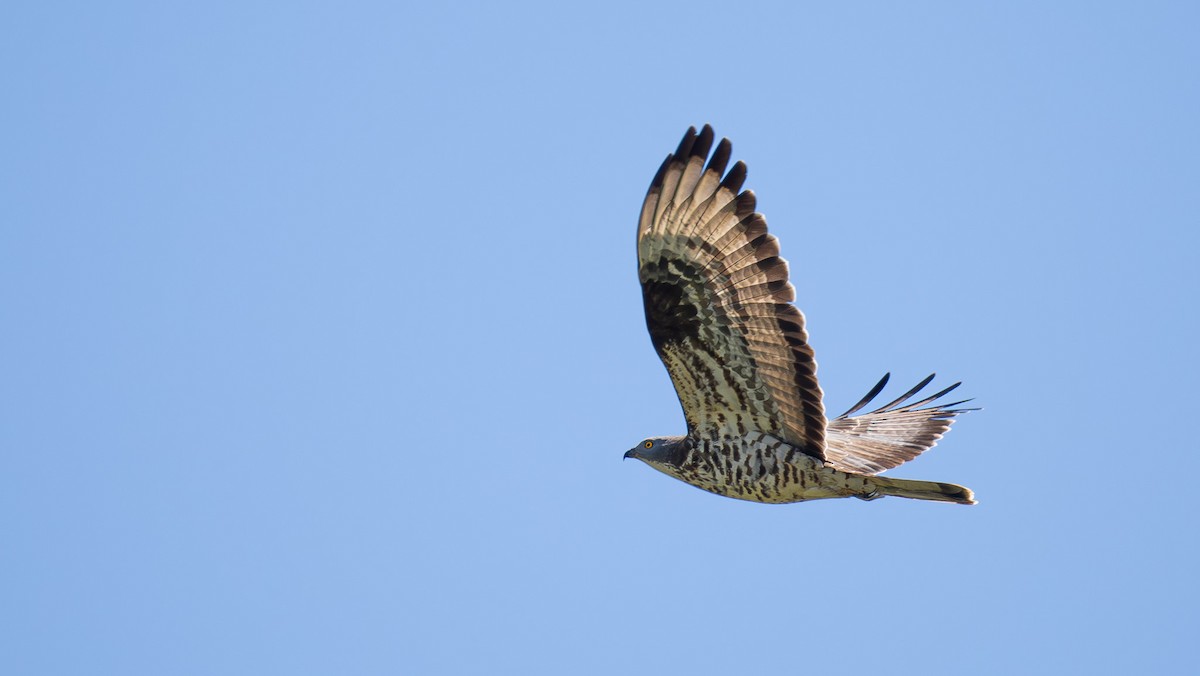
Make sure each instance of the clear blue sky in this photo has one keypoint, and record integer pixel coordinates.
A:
(322, 341)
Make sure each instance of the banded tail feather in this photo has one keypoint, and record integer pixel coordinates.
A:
(922, 490)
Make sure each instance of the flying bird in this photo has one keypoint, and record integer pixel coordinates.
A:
(718, 307)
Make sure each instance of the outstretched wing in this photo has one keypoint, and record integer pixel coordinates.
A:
(718, 299)
(889, 435)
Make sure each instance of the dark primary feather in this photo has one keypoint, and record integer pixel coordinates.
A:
(717, 302)
(891, 434)
(868, 396)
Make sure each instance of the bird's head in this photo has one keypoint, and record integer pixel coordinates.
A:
(660, 451)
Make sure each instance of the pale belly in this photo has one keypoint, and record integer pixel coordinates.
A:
(765, 469)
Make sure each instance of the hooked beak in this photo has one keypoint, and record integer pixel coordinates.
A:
(631, 453)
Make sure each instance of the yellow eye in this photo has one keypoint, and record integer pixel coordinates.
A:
(649, 444)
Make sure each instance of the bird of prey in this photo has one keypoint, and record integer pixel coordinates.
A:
(718, 307)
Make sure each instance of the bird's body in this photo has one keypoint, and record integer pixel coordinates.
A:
(760, 468)
(718, 308)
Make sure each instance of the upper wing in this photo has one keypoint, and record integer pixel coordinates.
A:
(717, 302)
(889, 435)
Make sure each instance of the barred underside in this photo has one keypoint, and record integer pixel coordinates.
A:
(761, 468)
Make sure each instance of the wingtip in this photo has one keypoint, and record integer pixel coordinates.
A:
(703, 144)
(720, 158)
(685, 144)
(904, 397)
(874, 392)
(657, 181)
(736, 177)
(745, 205)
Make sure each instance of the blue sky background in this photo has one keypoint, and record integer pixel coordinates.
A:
(321, 336)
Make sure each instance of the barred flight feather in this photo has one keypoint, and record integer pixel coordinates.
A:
(697, 229)
(891, 434)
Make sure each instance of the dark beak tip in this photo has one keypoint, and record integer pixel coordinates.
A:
(628, 455)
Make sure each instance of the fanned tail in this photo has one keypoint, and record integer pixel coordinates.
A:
(922, 490)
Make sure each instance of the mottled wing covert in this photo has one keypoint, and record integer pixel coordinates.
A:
(718, 302)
